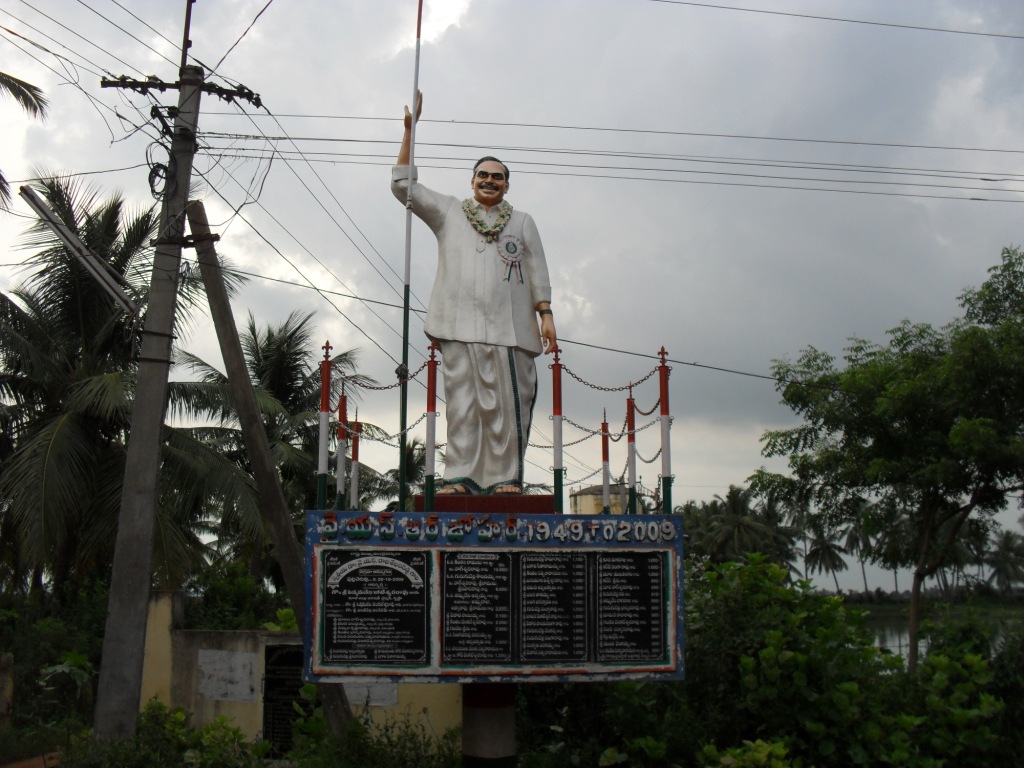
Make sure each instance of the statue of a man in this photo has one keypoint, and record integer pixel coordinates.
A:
(491, 285)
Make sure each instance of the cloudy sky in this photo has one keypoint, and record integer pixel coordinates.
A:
(733, 184)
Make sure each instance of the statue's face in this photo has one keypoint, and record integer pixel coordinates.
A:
(487, 190)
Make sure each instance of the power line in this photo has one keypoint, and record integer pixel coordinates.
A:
(791, 187)
(81, 37)
(862, 169)
(838, 19)
(661, 132)
(133, 37)
(761, 162)
(311, 254)
(242, 35)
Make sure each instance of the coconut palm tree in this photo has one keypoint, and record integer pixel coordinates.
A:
(825, 553)
(68, 358)
(858, 538)
(1006, 559)
(32, 101)
(734, 527)
(284, 368)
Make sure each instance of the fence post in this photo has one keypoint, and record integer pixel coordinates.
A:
(666, 437)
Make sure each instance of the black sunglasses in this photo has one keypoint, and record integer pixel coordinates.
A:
(499, 176)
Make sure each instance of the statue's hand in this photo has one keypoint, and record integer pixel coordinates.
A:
(547, 334)
(419, 110)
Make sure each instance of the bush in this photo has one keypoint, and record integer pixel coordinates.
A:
(225, 597)
(164, 738)
(56, 649)
(398, 743)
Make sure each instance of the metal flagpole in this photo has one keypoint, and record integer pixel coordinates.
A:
(403, 370)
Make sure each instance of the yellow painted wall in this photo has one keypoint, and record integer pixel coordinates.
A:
(181, 670)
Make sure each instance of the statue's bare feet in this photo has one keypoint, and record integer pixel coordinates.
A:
(510, 488)
(458, 489)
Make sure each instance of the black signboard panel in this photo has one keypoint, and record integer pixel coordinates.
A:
(375, 607)
(553, 612)
(630, 606)
(476, 623)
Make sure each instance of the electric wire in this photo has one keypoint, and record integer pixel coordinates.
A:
(894, 25)
(647, 169)
(312, 255)
(38, 31)
(125, 31)
(242, 35)
(664, 132)
(82, 37)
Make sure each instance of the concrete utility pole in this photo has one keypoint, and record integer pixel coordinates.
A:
(120, 682)
(289, 556)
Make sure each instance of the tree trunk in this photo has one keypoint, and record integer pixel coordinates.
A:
(915, 620)
(864, 575)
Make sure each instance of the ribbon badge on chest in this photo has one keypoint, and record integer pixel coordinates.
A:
(512, 251)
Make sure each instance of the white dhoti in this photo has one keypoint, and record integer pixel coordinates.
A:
(490, 392)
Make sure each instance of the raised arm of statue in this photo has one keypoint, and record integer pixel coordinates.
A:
(403, 152)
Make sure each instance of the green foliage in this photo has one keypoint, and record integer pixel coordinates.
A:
(56, 649)
(394, 743)
(777, 675)
(226, 596)
(164, 738)
(286, 621)
(752, 754)
(1008, 686)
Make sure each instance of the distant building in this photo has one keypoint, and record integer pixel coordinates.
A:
(590, 500)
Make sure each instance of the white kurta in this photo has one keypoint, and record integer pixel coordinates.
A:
(484, 299)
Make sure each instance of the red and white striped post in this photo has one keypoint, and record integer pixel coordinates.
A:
(431, 444)
(631, 444)
(354, 490)
(606, 478)
(556, 416)
(325, 426)
(339, 500)
(666, 436)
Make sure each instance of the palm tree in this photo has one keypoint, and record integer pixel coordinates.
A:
(734, 528)
(858, 539)
(285, 372)
(1006, 559)
(32, 101)
(377, 486)
(68, 362)
(781, 543)
(825, 554)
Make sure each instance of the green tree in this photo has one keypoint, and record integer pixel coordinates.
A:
(34, 103)
(68, 358)
(734, 527)
(858, 539)
(285, 371)
(930, 424)
(1006, 560)
(825, 554)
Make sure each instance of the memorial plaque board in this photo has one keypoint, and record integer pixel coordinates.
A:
(453, 597)
(374, 607)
